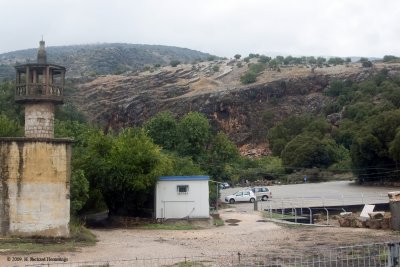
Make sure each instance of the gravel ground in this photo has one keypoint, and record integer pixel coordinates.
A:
(244, 232)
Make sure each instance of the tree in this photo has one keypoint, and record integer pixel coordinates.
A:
(9, 128)
(264, 59)
(307, 151)
(288, 60)
(222, 151)
(7, 105)
(79, 191)
(273, 64)
(69, 112)
(311, 60)
(394, 146)
(389, 58)
(174, 63)
(184, 166)
(320, 61)
(374, 147)
(336, 61)
(125, 168)
(335, 88)
(283, 132)
(248, 77)
(162, 128)
(237, 56)
(193, 135)
(279, 59)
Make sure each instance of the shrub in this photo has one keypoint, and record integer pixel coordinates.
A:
(248, 77)
(175, 63)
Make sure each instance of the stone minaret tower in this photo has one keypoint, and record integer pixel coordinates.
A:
(39, 86)
(35, 170)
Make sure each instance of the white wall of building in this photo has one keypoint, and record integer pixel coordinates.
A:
(170, 204)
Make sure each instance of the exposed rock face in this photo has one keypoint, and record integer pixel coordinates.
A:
(241, 111)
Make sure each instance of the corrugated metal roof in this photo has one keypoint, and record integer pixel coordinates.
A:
(184, 178)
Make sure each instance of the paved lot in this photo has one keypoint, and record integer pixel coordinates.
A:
(319, 194)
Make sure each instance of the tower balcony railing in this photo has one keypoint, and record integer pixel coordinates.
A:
(38, 91)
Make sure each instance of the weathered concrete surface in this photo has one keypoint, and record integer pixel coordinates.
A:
(34, 187)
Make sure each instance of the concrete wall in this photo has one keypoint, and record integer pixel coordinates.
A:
(172, 205)
(39, 120)
(34, 186)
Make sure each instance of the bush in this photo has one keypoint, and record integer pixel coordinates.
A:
(264, 59)
(367, 64)
(256, 68)
(389, 58)
(79, 190)
(175, 63)
(248, 77)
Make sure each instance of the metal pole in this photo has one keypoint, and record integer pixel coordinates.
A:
(216, 201)
(394, 253)
(310, 215)
(327, 216)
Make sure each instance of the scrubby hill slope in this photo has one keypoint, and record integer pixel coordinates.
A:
(99, 59)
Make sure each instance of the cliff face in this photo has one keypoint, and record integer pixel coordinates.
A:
(244, 112)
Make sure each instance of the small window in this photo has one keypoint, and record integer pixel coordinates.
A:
(247, 193)
(183, 189)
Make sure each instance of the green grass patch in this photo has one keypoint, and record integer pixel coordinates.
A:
(278, 216)
(79, 236)
(218, 222)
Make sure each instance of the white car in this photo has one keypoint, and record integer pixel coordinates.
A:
(241, 196)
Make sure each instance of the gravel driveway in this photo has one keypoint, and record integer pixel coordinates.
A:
(245, 231)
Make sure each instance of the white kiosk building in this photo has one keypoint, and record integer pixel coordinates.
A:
(182, 197)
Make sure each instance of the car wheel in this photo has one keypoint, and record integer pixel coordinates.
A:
(252, 200)
(231, 201)
(264, 198)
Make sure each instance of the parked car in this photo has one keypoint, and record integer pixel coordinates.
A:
(241, 196)
(262, 192)
(224, 185)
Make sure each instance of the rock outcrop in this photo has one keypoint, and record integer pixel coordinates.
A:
(245, 112)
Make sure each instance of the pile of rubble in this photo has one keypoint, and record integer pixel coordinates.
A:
(376, 220)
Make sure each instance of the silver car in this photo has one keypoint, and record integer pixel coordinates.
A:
(262, 192)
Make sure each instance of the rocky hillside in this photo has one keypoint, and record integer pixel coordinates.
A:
(100, 59)
(245, 112)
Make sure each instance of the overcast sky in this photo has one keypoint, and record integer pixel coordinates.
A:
(220, 27)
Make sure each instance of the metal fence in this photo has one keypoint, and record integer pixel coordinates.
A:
(327, 200)
(382, 254)
(282, 208)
